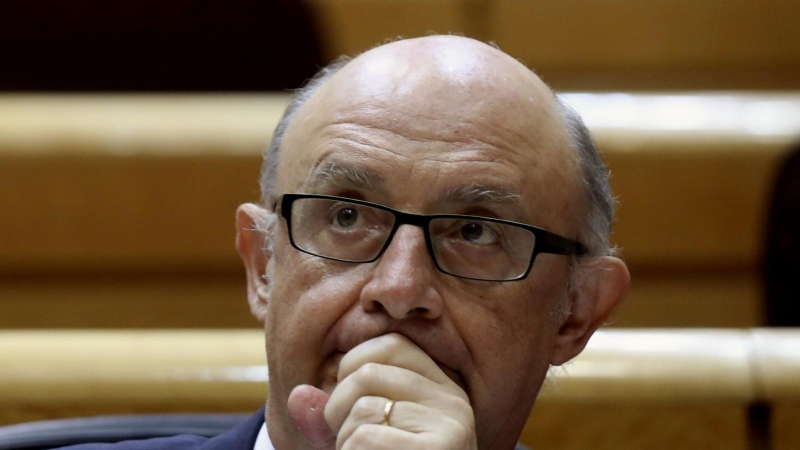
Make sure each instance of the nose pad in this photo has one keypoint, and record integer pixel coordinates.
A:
(403, 280)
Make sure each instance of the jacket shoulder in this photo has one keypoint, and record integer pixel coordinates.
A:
(173, 443)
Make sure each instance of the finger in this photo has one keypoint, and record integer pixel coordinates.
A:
(414, 426)
(394, 383)
(379, 437)
(306, 405)
(406, 416)
(366, 410)
(393, 350)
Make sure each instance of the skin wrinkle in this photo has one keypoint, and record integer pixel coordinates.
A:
(493, 193)
(471, 142)
(520, 215)
(500, 152)
(471, 107)
(497, 193)
(492, 137)
(476, 193)
(355, 140)
(408, 138)
(564, 207)
(345, 176)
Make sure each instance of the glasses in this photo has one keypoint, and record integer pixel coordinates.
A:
(472, 247)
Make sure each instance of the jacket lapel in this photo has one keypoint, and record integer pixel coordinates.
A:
(241, 437)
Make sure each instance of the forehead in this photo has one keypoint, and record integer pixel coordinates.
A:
(468, 115)
(460, 85)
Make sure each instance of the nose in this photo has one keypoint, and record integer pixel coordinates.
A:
(402, 282)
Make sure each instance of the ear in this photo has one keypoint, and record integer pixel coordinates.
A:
(253, 227)
(599, 287)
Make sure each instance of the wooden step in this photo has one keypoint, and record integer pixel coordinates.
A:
(133, 190)
(586, 44)
(632, 389)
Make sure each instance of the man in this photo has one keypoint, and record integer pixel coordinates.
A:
(434, 236)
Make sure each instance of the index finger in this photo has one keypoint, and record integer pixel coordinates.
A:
(395, 350)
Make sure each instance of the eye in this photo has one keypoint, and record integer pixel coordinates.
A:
(477, 233)
(346, 217)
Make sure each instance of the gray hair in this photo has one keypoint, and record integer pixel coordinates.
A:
(599, 203)
(269, 168)
(598, 210)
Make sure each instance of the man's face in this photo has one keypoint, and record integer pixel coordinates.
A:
(407, 127)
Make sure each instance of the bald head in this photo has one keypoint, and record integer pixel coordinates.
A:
(447, 78)
(458, 81)
(417, 72)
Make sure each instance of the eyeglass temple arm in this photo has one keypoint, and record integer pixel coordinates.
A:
(558, 245)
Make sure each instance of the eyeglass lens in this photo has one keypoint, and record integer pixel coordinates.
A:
(466, 247)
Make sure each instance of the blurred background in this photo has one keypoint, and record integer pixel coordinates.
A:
(130, 131)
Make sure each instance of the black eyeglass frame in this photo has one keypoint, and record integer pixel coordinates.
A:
(545, 241)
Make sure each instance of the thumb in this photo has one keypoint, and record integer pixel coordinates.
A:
(307, 407)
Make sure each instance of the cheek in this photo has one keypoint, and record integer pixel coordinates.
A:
(514, 336)
(305, 302)
(511, 341)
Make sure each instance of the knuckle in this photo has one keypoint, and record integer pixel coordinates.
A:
(464, 436)
(394, 342)
(363, 409)
(360, 438)
(367, 373)
(454, 436)
(460, 394)
(460, 408)
(461, 436)
(458, 430)
(463, 404)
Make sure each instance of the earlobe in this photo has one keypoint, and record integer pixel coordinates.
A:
(253, 226)
(600, 285)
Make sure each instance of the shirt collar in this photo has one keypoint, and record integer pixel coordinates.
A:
(262, 441)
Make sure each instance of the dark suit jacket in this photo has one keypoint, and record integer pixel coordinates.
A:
(241, 437)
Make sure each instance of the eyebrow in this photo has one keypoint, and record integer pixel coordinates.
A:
(343, 175)
(487, 194)
(331, 173)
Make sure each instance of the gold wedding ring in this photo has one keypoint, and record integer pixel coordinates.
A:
(386, 411)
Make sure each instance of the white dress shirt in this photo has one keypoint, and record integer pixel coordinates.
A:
(262, 441)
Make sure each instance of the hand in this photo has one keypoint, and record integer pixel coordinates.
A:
(430, 411)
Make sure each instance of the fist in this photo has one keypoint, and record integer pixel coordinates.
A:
(429, 409)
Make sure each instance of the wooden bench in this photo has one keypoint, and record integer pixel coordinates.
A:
(632, 389)
(118, 210)
(777, 373)
(588, 45)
